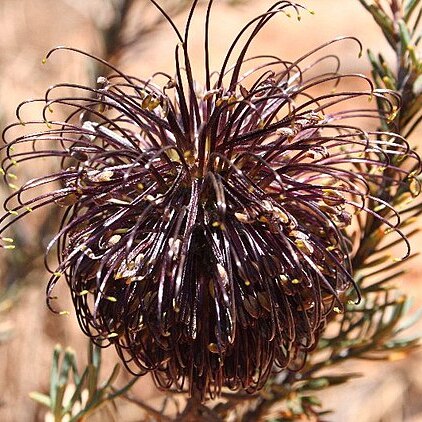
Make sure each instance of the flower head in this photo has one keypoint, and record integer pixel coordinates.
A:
(207, 230)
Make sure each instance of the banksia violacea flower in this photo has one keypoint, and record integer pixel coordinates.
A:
(207, 231)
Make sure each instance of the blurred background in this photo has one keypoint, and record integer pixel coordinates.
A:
(140, 44)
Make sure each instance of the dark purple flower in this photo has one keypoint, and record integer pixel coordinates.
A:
(207, 231)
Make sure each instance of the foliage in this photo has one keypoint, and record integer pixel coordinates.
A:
(75, 394)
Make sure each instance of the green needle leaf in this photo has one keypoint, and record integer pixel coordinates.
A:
(40, 398)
